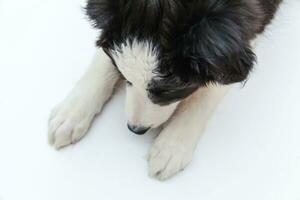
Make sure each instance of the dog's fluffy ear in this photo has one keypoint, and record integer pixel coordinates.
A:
(103, 13)
(217, 44)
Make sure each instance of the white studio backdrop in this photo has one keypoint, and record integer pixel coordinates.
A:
(250, 150)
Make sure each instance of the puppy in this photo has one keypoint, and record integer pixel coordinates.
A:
(178, 58)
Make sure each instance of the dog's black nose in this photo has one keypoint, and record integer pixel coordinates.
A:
(137, 130)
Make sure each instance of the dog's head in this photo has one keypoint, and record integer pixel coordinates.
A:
(167, 49)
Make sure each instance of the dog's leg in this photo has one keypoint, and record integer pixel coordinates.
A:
(71, 119)
(174, 147)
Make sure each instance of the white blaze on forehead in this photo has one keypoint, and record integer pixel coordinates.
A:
(136, 61)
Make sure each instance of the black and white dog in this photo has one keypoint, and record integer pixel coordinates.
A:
(178, 58)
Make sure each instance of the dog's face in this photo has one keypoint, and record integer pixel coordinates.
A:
(167, 49)
(149, 102)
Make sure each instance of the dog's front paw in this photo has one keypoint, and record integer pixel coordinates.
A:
(68, 123)
(167, 158)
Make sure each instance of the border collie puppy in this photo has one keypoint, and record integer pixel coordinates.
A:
(178, 58)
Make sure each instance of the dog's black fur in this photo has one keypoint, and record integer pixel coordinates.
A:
(199, 41)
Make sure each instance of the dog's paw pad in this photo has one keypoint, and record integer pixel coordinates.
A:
(67, 125)
(166, 161)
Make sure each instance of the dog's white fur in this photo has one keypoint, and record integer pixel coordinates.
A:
(136, 62)
(71, 119)
(174, 147)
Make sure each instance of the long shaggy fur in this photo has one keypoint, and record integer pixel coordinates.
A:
(199, 41)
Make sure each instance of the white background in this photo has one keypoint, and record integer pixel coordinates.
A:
(250, 150)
